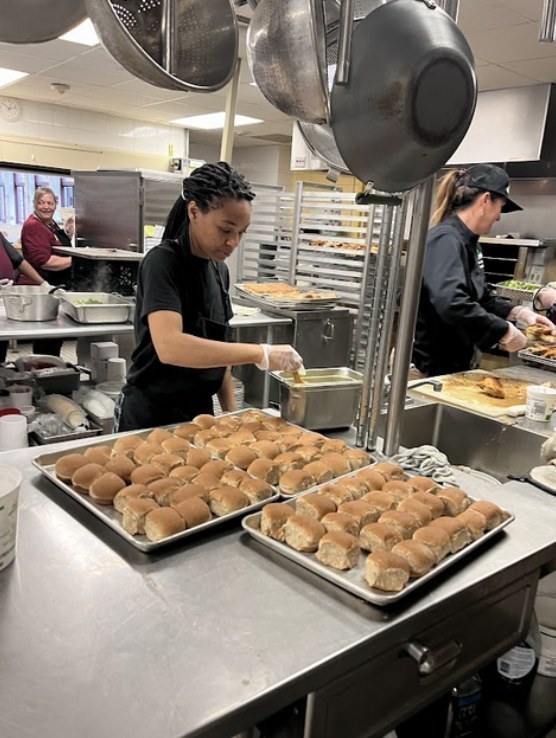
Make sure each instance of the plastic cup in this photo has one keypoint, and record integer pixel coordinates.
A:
(116, 369)
(540, 403)
(10, 482)
(28, 411)
(13, 432)
(21, 394)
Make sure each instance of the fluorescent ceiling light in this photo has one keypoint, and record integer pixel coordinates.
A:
(84, 34)
(213, 121)
(7, 76)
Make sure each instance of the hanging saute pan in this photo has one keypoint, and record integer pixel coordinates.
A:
(35, 21)
(409, 98)
(175, 44)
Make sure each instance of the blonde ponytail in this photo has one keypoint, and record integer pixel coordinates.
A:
(446, 194)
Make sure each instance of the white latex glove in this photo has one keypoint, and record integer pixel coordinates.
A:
(545, 298)
(548, 449)
(524, 317)
(281, 357)
(6, 282)
(513, 339)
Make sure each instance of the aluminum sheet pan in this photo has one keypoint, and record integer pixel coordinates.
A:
(289, 303)
(111, 517)
(352, 580)
(111, 309)
(536, 360)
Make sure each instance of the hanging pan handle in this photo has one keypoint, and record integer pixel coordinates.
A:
(344, 42)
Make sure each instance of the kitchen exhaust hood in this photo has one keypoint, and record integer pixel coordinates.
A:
(515, 128)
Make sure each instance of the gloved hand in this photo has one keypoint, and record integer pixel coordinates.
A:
(513, 339)
(280, 357)
(524, 316)
(545, 298)
(6, 282)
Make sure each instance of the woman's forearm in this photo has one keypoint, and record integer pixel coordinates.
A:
(31, 273)
(57, 263)
(226, 393)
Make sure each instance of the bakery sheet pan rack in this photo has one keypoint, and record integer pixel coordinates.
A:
(536, 360)
(352, 580)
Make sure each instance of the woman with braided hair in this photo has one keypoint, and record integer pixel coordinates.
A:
(183, 355)
(459, 314)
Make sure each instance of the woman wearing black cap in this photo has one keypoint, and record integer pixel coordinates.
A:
(182, 354)
(458, 313)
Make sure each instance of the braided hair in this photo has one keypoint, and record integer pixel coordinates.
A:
(207, 186)
(454, 193)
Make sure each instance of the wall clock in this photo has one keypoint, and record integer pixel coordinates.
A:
(10, 109)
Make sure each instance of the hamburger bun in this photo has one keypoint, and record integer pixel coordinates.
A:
(307, 452)
(357, 458)
(197, 457)
(494, 515)
(194, 511)
(362, 512)
(162, 523)
(389, 470)
(289, 460)
(146, 473)
(98, 454)
(207, 481)
(216, 467)
(373, 478)
(144, 452)
(126, 445)
(186, 492)
(337, 463)
(158, 435)
(226, 500)
(418, 556)
(379, 537)
(166, 461)
(337, 493)
(162, 489)
(458, 533)
(404, 522)
(202, 437)
(85, 475)
(437, 540)
(303, 533)
(184, 473)
(320, 470)
(380, 499)
(296, 480)
(340, 521)
(265, 469)
(455, 500)
(242, 437)
(338, 549)
(134, 514)
(178, 446)
(423, 484)
(419, 510)
(131, 492)
(121, 465)
(399, 489)
(204, 420)
(241, 456)
(386, 571)
(315, 506)
(234, 477)
(273, 519)
(265, 449)
(333, 444)
(435, 505)
(255, 489)
(66, 466)
(105, 488)
(474, 521)
(187, 431)
(357, 487)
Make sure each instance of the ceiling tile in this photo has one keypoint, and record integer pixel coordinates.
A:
(512, 44)
(483, 15)
(493, 77)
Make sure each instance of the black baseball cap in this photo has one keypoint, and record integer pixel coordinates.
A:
(491, 178)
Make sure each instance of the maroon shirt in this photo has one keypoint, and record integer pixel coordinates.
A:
(37, 241)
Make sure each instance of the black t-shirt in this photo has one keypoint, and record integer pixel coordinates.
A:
(171, 278)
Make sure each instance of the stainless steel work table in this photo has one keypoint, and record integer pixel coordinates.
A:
(98, 640)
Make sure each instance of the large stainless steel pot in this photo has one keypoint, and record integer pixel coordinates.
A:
(35, 21)
(30, 303)
(409, 98)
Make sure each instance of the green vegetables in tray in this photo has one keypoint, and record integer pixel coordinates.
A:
(514, 284)
(89, 301)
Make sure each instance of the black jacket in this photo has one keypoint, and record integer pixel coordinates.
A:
(458, 312)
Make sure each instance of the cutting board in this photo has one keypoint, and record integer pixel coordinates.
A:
(462, 391)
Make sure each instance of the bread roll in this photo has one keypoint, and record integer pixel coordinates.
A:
(204, 420)
(66, 466)
(185, 473)
(242, 437)
(265, 469)
(187, 431)
(162, 489)
(474, 521)
(273, 519)
(272, 423)
(437, 540)
(303, 533)
(340, 521)
(255, 489)
(336, 463)
(207, 481)
(423, 484)
(459, 534)
(85, 475)
(337, 493)
(374, 479)
(356, 457)
(361, 511)
(417, 509)
(177, 446)
(222, 430)
(310, 438)
(194, 511)
(226, 500)
(167, 462)
(399, 489)
(186, 492)
(126, 445)
(493, 514)
(233, 422)
(307, 453)
(389, 470)
(163, 523)
(287, 442)
(383, 501)
(338, 549)
(386, 571)
(220, 447)
(146, 473)
(202, 437)
(197, 457)
(105, 488)
(296, 480)
(265, 449)
(134, 514)
(98, 454)
(234, 477)
(320, 471)
(145, 451)
(121, 465)
(333, 444)
(455, 500)
(316, 506)
(131, 492)
(435, 505)
(266, 435)
(289, 460)
(418, 556)
(357, 487)
(216, 467)
(158, 435)
(241, 456)
(379, 537)
(405, 523)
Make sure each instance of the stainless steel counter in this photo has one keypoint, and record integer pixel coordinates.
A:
(99, 640)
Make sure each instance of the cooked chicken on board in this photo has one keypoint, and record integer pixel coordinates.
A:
(493, 387)
(540, 333)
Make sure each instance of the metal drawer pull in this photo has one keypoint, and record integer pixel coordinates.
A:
(328, 332)
(429, 661)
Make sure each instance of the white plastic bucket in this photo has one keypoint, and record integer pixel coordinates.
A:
(540, 402)
(10, 482)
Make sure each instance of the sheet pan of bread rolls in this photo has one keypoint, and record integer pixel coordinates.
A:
(202, 473)
(377, 532)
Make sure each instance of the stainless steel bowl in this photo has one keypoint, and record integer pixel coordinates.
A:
(30, 303)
